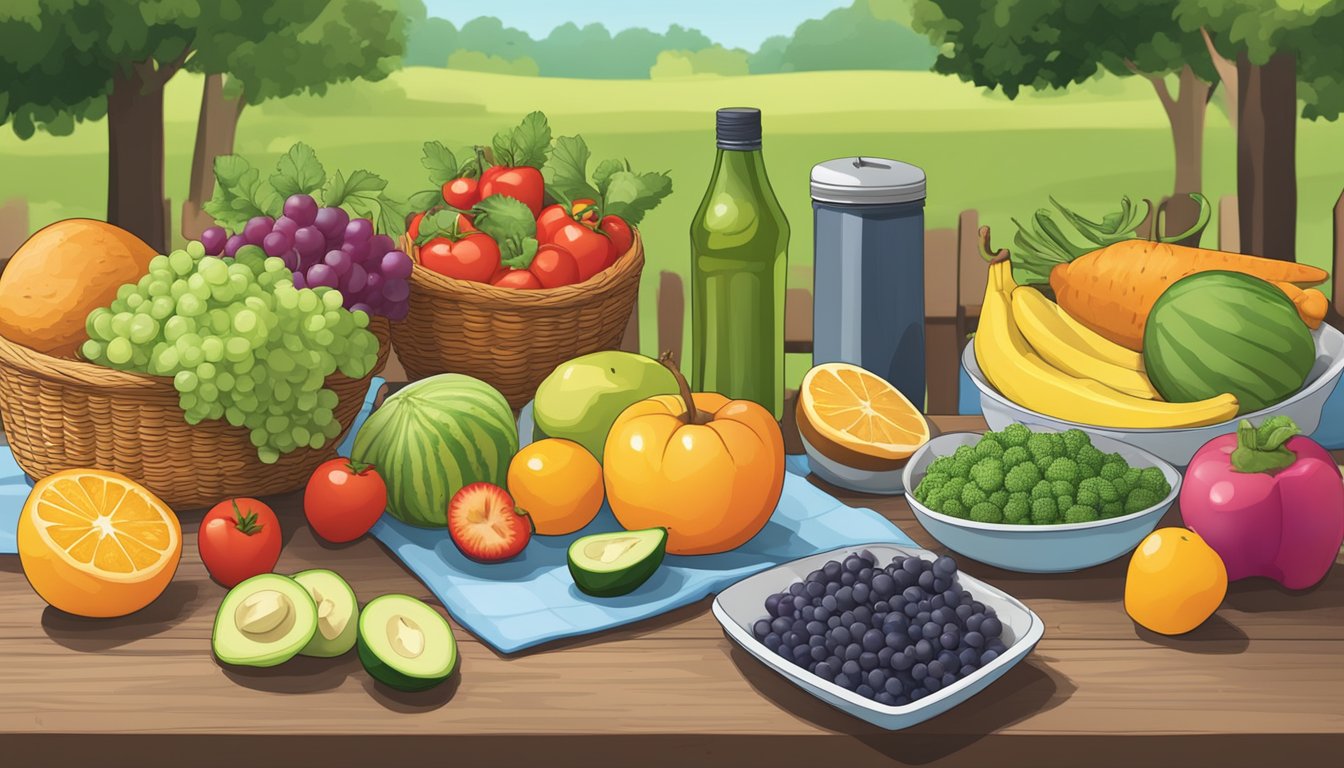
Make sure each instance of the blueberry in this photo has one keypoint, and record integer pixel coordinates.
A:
(799, 603)
(828, 603)
(944, 566)
(816, 575)
(951, 598)
(772, 605)
(935, 668)
(923, 617)
(864, 614)
(831, 645)
(817, 641)
(903, 660)
(882, 606)
(948, 679)
(926, 580)
(796, 588)
(940, 585)
(785, 651)
(918, 694)
(868, 557)
(865, 691)
(791, 638)
(781, 625)
(815, 628)
(867, 661)
(896, 640)
(873, 640)
(847, 618)
(845, 597)
(877, 678)
(854, 564)
(944, 616)
(997, 645)
(799, 626)
(885, 699)
(831, 569)
(963, 612)
(860, 593)
(919, 671)
(931, 630)
(844, 681)
(901, 701)
(802, 654)
(820, 613)
(833, 622)
(988, 656)
(937, 602)
(853, 651)
(911, 610)
(991, 627)
(974, 622)
(847, 579)
(819, 653)
(840, 635)
(866, 576)
(825, 671)
(973, 639)
(761, 628)
(924, 651)
(933, 684)
(903, 578)
(879, 619)
(969, 655)
(851, 668)
(950, 640)
(968, 669)
(771, 641)
(893, 687)
(884, 656)
(913, 566)
(815, 589)
(808, 614)
(978, 606)
(883, 585)
(915, 632)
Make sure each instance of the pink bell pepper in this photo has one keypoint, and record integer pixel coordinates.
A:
(1269, 501)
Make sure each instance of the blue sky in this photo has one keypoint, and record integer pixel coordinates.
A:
(735, 23)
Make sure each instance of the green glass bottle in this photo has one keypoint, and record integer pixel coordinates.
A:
(739, 255)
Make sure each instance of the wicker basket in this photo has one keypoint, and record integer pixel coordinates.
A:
(66, 414)
(509, 338)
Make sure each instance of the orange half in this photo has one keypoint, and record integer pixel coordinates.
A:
(96, 543)
(857, 418)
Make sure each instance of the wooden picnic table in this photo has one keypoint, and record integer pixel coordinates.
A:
(1260, 683)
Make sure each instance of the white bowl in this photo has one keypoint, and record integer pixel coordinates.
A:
(1179, 445)
(886, 482)
(739, 606)
(1039, 548)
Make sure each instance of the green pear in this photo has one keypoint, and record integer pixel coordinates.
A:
(581, 399)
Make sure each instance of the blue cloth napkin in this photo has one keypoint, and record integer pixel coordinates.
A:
(14, 487)
(532, 599)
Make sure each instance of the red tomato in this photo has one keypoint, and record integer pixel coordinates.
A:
(344, 499)
(591, 250)
(239, 539)
(619, 233)
(550, 220)
(414, 228)
(520, 182)
(502, 271)
(554, 266)
(461, 193)
(474, 257)
(520, 279)
(464, 225)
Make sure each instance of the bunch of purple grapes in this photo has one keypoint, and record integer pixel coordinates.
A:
(324, 247)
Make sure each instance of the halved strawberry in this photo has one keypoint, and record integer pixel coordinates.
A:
(485, 525)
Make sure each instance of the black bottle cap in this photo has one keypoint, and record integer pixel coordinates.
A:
(738, 128)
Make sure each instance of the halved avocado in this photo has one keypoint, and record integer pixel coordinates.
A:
(263, 621)
(406, 644)
(337, 613)
(612, 564)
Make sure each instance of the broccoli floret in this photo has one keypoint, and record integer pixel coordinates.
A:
(984, 512)
(1041, 490)
(1062, 488)
(1074, 440)
(988, 448)
(972, 495)
(1063, 469)
(943, 465)
(1043, 445)
(953, 508)
(1113, 467)
(1140, 499)
(988, 474)
(1063, 502)
(1044, 463)
(1014, 456)
(1122, 486)
(999, 498)
(1018, 508)
(1112, 509)
(1080, 514)
(929, 486)
(1095, 487)
(1014, 435)
(1088, 456)
(1153, 479)
(1086, 470)
(1044, 512)
(962, 460)
(1022, 477)
(953, 487)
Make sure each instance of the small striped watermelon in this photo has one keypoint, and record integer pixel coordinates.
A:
(433, 437)
(1216, 332)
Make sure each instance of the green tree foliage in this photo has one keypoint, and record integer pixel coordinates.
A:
(715, 60)
(430, 42)
(854, 38)
(770, 56)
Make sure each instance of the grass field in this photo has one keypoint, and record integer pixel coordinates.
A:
(981, 151)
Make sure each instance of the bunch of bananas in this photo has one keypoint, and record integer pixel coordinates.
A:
(1039, 357)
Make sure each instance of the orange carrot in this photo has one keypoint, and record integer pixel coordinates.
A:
(1111, 284)
(1112, 289)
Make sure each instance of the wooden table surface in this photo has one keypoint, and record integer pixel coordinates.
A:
(1259, 682)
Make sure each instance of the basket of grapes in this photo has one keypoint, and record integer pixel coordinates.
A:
(222, 369)
(516, 272)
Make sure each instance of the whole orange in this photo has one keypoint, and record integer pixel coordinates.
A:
(1175, 581)
(96, 543)
(558, 483)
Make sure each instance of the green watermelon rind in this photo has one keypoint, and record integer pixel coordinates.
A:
(1215, 332)
(433, 437)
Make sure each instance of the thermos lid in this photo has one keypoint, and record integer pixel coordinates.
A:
(738, 128)
(867, 181)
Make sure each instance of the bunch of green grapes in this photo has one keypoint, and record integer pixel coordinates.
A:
(240, 341)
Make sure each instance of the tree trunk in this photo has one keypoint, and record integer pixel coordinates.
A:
(216, 129)
(1227, 74)
(1267, 156)
(135, 154)
(1186, 112)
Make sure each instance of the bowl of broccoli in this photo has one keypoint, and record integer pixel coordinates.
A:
(1038, 500)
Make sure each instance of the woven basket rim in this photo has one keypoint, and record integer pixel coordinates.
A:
(83, 373)
(470, 291)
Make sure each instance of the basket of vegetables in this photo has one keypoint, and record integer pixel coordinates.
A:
(226, 368)
(514, 271)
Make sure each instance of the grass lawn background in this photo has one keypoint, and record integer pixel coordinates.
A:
(1086, 147)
